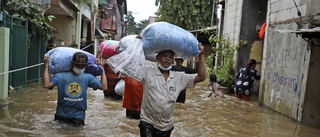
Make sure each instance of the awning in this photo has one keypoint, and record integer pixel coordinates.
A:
(99, 34)
(206, 29)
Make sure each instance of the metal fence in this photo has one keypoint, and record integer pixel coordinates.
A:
(18, 49)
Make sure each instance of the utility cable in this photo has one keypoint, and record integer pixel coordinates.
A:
(299, 23)
(32, 65)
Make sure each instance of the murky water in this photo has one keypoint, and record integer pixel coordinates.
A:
(31, 110)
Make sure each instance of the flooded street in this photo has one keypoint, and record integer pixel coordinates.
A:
(31, 112)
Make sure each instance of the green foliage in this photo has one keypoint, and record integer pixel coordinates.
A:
(88, 2)
(36, 20)
(141, 25)
(131, 24)
(188, 14)
(133, 27)
(224, 50)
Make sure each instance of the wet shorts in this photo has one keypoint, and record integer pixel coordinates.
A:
(73, 121)
(147, 130)
(133, 114)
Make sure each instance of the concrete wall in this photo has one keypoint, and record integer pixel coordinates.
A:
(311, 111)
(232, 20)
(65, 28)
(286, 58)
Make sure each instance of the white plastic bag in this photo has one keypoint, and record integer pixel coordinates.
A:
(119, 89)
(131, 61)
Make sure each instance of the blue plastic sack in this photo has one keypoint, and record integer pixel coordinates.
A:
(60, 60)
(160, 36)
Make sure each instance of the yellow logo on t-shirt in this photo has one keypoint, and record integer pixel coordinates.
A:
(74, 89)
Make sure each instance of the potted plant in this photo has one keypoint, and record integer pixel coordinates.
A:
(223, 67)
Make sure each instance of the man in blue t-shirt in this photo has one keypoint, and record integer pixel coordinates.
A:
(72, 89)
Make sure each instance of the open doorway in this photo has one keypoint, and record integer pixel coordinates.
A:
(254, 14)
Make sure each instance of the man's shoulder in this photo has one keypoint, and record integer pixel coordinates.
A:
(63, 73)
(183, 68)
(88, 75)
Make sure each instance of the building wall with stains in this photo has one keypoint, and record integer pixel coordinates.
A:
(286, 59)
(290, 64)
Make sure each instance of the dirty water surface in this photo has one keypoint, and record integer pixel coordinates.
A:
(30, 113)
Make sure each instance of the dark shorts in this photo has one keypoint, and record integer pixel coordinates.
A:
(182, 96)
(133, 114)
(73, 121)
(112, 95)
(147, 130)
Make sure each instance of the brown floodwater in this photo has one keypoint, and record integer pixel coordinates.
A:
(30, 113)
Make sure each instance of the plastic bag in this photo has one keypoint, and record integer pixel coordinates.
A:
(131, 61)
(126, 41)
(60, 60)
(108, 43)
(119, 89)
(108, 51)
(160, 36)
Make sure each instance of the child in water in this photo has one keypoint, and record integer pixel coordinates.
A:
(215, 87)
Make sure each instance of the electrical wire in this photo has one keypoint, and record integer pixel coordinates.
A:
(11, 71)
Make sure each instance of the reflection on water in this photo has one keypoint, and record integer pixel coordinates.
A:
(31, 110)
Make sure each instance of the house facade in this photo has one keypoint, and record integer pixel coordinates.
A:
(111, 19)
(288, 60)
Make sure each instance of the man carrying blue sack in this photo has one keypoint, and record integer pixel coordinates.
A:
(72, 89)
(161, 88)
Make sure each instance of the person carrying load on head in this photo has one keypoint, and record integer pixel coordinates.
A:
(161, 88)
(72, 89)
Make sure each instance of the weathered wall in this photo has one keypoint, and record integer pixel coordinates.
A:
(286, 59)
(65, 28)
(311, 111)
(232, 20)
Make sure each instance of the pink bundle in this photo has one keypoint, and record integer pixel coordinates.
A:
(108, 48)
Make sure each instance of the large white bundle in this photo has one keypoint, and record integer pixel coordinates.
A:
(160, 36)
(130, 61)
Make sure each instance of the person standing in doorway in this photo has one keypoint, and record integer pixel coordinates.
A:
(245, 79)
(72, 89)
(179, 67)
(161, 88)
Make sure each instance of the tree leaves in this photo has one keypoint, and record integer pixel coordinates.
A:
(188, 14)
(133, 27)
(31, 11)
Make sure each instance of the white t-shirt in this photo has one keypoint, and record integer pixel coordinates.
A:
(159, 96)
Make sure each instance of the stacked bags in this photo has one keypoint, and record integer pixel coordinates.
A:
(60, 60)
(156, 37)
